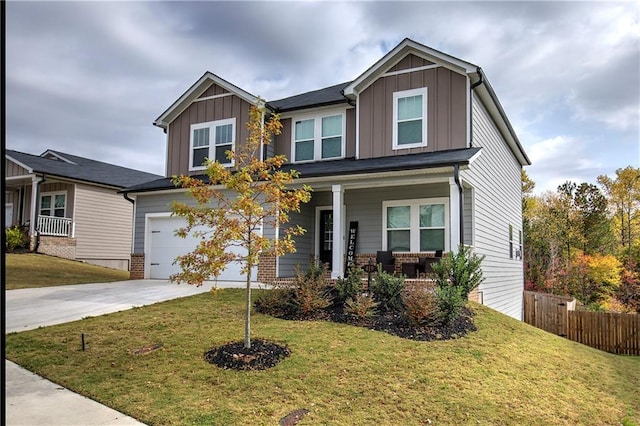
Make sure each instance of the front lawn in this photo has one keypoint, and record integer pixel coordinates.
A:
(505, 373)
(30, 270)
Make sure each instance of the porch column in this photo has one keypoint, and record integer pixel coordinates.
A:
(33, 217)
(454, 215)
(337, 259)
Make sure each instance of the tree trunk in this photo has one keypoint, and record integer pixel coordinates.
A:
(247, 316)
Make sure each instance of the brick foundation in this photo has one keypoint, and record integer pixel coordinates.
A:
(64, 247)
(267, 269)
(136, 271)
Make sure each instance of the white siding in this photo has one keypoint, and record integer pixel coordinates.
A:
(495, 176)
(102, 226)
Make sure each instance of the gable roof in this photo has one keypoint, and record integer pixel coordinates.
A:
(79, 168)
(195, 91)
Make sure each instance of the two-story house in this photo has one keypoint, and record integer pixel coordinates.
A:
(417, 151)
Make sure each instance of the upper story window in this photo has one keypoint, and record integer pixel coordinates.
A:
(318, 138)
(410, 118)
(415, 225)
(212, 140)
(53, 204)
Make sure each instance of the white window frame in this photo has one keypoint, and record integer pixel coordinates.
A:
(317, 135)
(406, 94)
(414, 230)
(212, 125)
(53, 200)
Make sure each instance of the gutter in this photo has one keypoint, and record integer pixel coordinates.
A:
(456, 178)
(126, 197)
(473, 86)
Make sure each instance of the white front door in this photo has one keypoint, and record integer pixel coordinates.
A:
(8, 214)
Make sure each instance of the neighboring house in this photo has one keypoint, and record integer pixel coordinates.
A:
(71, 205)
(417, 150)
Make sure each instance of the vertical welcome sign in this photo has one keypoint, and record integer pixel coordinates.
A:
(351, 245)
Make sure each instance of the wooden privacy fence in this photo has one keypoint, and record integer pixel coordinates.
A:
(607, 331)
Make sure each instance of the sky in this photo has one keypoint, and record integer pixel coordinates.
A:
(89, 78)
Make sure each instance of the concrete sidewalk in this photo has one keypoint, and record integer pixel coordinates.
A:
(32, 400)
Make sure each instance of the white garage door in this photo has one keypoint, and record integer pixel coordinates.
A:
(165, 247)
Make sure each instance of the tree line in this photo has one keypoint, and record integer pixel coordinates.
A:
(583, 240)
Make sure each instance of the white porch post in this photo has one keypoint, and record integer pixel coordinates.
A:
(34, 205)
(338, 241)
(454, 215)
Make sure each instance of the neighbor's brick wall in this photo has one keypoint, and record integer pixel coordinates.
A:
(474, 295)
(58, 246)
(267, 269)
(136, 272)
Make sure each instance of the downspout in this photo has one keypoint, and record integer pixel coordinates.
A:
(473, 86)
(456, 178)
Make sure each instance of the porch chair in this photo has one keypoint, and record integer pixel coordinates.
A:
(386, 259)
(425, 264)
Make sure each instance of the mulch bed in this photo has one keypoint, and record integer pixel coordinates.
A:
(234, 356)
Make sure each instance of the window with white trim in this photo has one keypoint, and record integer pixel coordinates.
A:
(53, 204)
(410, 118)
(415, 225)
(318, 138)
(212, 140)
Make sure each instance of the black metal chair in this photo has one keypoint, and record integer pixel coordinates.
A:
(425, 264)
(386, 259)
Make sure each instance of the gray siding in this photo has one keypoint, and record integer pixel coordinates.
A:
(102, 226)
(55, 187)
(495, 176)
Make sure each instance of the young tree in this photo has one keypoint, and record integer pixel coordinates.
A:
(234, 205)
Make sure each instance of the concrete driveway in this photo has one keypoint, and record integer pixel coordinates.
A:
(32, 400)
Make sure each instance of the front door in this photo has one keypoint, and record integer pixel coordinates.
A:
(326, 237)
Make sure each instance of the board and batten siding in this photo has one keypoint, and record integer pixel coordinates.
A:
(179, 132)
(13, 169)
(102, 226)
(496, 178)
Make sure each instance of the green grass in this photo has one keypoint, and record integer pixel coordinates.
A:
(30, 270)
(505, 373)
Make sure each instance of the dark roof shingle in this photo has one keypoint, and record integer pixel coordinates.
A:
(327, 96)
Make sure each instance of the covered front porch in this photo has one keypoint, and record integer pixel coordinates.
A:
(412, 215)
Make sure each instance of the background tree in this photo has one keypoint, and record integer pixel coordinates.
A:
(233, 208)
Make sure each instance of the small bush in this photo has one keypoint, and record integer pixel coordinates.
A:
(387, 291)
(361, 305)
(16, 238)
(349, 286)
(450, 302)
(421, 305)
(311, 290)
(277, 302)
(460, 270)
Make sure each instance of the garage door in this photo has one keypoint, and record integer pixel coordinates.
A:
(165, 247)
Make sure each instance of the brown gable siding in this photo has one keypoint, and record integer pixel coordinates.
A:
(282, 143)
(202, 112)
(446, 115)
(213, 90)
(408, 62)
(12, 169)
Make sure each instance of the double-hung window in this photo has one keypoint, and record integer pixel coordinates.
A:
(415, 225)
(318, 138)
(410, 118)
(212, 140)
(53, 204)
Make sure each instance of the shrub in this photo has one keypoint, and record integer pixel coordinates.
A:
(421, 305)
(361, 305)
(387, 291)
(349, 286)
(450, 302)
(277, 302)
(16, 238)
(311, 290)
(460, 270)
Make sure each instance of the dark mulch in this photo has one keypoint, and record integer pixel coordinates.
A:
(234, 356)
(394, 323)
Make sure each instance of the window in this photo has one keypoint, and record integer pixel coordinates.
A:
(53, 204)
(212, 140)
(318, 138)
(515, 250)
(410, 118)
(415, 225)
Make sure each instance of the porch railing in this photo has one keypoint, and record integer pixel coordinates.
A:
(56, 226)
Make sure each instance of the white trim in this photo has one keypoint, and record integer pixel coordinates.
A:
(469, 105)
(52, 194)
(207, 98)
(317, 134)
(147, 239)
(337, 258)
(212, 126)
(414, 229)
(408, 70)
(423, 91)
(357, 126)
(454, 213)
(58, 156)
(73, 214)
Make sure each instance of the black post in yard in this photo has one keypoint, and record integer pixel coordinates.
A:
(82, 337)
